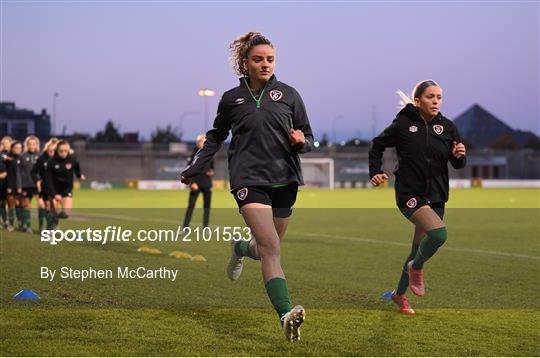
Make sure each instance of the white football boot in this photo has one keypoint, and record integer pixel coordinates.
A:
(236, 263)
(292, 322)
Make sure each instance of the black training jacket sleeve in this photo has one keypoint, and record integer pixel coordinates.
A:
(18, 174)
(301, 122)
(35, 171)
(190, 158)
(77, 168)
(48, 172)
(457, 163)
(384, 140)
(214, 139)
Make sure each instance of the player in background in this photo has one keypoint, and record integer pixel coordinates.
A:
(269, 128)
(3, 194)
(44, 186)
(14, 184)
(425, 142)
(202, 183)
(62, 168)
(5, 146)
(29, 188)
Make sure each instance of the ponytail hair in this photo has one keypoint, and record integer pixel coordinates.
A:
(51, 143)
(240, 49)
(417, 92)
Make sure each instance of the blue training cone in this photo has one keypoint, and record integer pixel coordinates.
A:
(387, 296)
(26, 294)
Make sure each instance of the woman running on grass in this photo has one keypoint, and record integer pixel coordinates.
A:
(425, 141)
(269, 128)
(44, 186)
(29, 187)
(62, 167)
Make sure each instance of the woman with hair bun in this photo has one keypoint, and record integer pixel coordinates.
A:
(270, 128)
(425, 142)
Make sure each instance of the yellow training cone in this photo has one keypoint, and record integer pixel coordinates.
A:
(198, 258)
(149, 250)
(180, 255)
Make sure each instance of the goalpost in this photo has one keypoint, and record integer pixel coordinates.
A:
(318, 172)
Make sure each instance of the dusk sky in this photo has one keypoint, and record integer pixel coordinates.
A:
(141, 63)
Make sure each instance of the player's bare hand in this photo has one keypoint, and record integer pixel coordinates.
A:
(194, 186)
(378, 179)
(297, 136)
(210, 173)
(458, 150)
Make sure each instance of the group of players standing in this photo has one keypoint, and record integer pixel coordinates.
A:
(26, 173)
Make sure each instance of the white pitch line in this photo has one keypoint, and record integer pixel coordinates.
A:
(396, 243)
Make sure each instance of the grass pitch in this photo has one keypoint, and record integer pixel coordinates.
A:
(342, 250)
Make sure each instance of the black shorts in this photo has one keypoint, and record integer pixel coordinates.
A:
(408, 205)
(65, 191)
(12, 192)
(29, 192)
(3, 193)
(280, 198)
(46, 196)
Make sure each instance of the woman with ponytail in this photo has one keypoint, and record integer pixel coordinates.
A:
(425, 142)
(270, 128)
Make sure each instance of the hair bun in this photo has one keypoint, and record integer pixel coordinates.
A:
(240, 48)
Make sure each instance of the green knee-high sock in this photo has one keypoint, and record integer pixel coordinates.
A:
(19, 214)
(26, 217)
(242, 249)
(50, 219)
(429, 246)
(3, 214)
(279, 295)
(42, 213)
(11, 216)
(403, 283)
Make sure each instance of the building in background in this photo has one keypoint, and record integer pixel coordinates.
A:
(494, 151)
(20, 123)
(481, 129)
